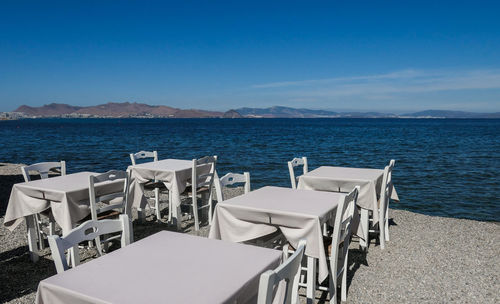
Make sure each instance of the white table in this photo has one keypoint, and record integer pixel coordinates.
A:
(299, 214)
(166, 267)
(344, 179)
(174, 173)
(67, 196)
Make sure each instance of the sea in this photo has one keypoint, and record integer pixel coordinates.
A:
(444, 167)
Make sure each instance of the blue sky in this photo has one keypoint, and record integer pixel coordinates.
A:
(342, 55)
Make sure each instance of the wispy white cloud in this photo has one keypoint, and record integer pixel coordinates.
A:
(325, 81)
(385, 86)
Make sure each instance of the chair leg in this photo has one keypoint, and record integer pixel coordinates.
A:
(381, 231)
(333, 288)
(311, 280)
(285, 253)
(325, 229)
(52, 227)
(170, 210)
(105, 246)
(74, 253)
(210, 208)
(98, 245)
(41, 238)
(195, 213)
(295, 295)
(157, 204)
(387, 225)
(32, 237)
(343, 292)
(141, 214)
(365, 225)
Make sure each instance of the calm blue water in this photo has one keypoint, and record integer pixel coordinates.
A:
(443, 167)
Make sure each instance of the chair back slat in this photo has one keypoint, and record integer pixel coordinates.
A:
(204, 179)
(43, 169)
(288, 272)
(142, 155)
(291, 168)
(230, 179)
(122, 205)
(85, 232)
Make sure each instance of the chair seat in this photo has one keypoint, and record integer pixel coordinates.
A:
(152, 185)
(102, 216)
(189, 190)
(327, 242)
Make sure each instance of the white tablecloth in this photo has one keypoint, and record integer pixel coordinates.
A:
(299, 214)
(344, 179)
(166, 267)
(67, 196)
(174, 173)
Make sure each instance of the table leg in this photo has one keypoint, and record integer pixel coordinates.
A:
(74, 254)
(175, 213)
(311, 280)
(170, 211)
(365, 226)
(141, 213)
(32, 237)
(157, 204)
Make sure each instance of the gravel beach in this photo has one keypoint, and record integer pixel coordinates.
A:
(428, 260)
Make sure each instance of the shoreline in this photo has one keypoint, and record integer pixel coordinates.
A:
(429, 258)
(260, 117)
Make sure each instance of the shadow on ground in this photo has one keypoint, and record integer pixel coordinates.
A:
(6, 183)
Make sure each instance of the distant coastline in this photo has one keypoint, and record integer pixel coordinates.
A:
(139, 110)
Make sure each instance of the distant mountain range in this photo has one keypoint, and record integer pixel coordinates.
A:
(126, 110)
(114, 110)
(451, 114)
(286, 112)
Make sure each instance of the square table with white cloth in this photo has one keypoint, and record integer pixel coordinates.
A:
(174, 173)
(67, 196)
(344, 179)
(166, 267)
(299, 214)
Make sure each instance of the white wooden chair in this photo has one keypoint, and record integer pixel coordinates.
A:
(382, 228)
(201, 184)
(231, 179)
(43, 170)
(295, 163)
(88, 231)
(154, 185)
(337, 247)
(289, 272)
(110, 205)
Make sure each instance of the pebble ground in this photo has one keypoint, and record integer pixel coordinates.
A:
(428, 260)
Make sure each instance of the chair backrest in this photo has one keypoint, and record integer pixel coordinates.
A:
(205, 179)
(143, 154)
(386, 190)
(121, 203)
(86, 232)
(288, 271)
(295, 163)
(43, 169)
(231, 179)
(342, 230)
